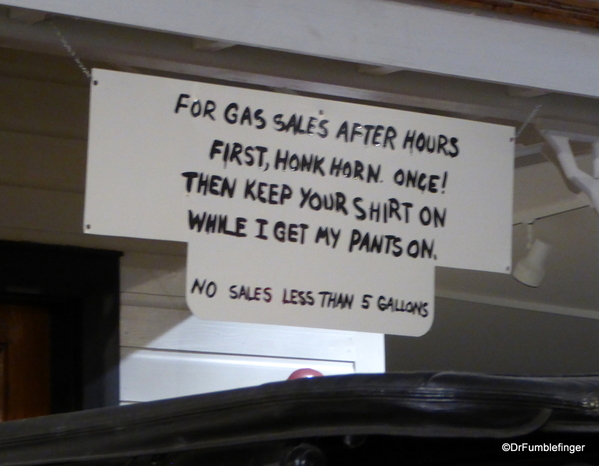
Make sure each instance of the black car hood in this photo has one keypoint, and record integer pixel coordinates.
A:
(445, 405)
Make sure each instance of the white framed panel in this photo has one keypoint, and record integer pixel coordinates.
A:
(148, 375)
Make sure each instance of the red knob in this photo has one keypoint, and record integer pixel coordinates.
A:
(304, 374)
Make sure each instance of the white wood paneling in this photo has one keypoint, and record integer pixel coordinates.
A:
(42, 210)
(42, 162)
(56, 217)
(87, 241)
(149, 375)
(43, 108)
(153, 274)
(156, 328)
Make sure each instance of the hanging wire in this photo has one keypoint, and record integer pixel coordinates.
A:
(70, 50)
(528, 120)
(530, 236)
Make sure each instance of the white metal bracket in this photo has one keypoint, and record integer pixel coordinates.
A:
(559, 140)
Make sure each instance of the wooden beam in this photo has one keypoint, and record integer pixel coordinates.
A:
(576, 12)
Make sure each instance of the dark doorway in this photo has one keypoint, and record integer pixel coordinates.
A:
(59, 338)
(25, 373)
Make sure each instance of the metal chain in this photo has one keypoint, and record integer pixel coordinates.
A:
(70, 50)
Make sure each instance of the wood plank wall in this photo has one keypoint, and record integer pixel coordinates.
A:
(583, 13)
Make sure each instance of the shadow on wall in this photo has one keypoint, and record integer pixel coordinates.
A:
(496, 340)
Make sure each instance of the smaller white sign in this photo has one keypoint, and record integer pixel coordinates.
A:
(298, 211)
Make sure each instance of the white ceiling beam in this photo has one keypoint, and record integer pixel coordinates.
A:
(125, 48)
(26, 15)
(377, 32)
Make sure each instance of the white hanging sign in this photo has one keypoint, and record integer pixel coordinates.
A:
(298, 211)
